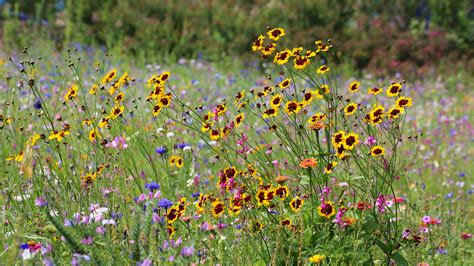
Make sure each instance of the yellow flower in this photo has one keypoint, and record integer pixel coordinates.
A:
(276, 33)
(93, 134)
(394, 89)
(116, 111)
(329, 167)
(394, 112)
(276, 101)
(377, 151)
(350, 109)
(93, 89)
(326, 209)
(284, 84)
(375, 90)
(350, 141)
(270, 113)
(296, 204)
(215, 134)
(325, 88)
(318, 258)
(301, 62)
(34, 139)
(268, 50)
(239, 119)
(354, 86)
(292, 107)
(403, 102)
(322, 69)
(119, 98)
(282, 57)
(71, 93)
(109, 76)
(258, 44)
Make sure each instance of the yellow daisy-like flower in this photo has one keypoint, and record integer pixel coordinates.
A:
(268, 50)
(239, 119)
(350, 141)
(338, 138)
(318, 258)
(394, 89)
(109, 76)
(284, 84)
(326, 209)
(296, 204)
(215, 134)
(292, 107)
(325, 88)
(403, 102)
(301, 62)
(296, 51)
(350, 109)
(329, 167)
(375, 90)
(93, 89)
(282, 57)
(119, 98)
(323, 69)
(116, 111)
(71, 93)
(354, 86)
(394, 112)
(257, 45)
(276, 33)
(270, 113)
(377, 151)
(93, 134)
(157, 109)
(276, 101)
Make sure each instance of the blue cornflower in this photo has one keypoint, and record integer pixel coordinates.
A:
(164, 203)
(24, 246)
(195, 195)
(448, 196)
(152, 186)
(161, 150)
(181, 145)
(37, 104)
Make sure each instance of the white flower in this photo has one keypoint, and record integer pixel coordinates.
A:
(212, 142)
(170, 134)
(159, 130)
(187, 148)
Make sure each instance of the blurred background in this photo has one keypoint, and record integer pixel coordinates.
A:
(384, 37)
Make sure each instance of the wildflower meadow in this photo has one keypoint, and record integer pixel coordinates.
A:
(284, 157)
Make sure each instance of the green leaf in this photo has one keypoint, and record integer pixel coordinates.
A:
(382, 246)
(370, 227)
(400, 259)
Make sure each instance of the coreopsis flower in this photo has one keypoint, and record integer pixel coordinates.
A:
(394, 89)
(93, 89)
(403, 102)
(394, 112)
(350, 141)
(350, 109)
(292, 107)
(276, 33)
(322, 69)
(109, 76)
(258, 44)
(284, 84)
(354, 86)
(296, 204)
(116, 111)
(375, 90)
(325, 89)
(276, 101)
(271, 112)
(71, 93)
(329, 167)
(326, 209)
(377, 151)
(282, 57)
(239, 119)
(268, 50)
(301, 62)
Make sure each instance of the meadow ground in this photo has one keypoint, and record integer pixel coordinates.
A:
(125, 167)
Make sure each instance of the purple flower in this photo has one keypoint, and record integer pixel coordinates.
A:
(40, 202)
(426, 219)
(37, 104)
(370, 141)
(87, 241)
(152, 186)
(146, 262)
(181, 145)
(381, 203)
(187, 251)
(164, 203)
(161, 150)
(100, 230)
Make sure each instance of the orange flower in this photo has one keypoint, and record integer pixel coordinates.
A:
(308, 162)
